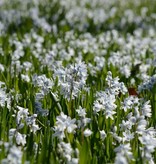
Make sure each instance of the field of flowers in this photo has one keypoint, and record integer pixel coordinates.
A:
(77, 81)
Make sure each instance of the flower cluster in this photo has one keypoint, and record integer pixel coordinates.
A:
(23, 117)
(72, 79)
(5, 99)
(136, 126)
(64, 124)
(105, 100)
(66, 151)
(14, 156)
(148, 84)
(83, 121)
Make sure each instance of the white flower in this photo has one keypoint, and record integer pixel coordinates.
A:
(74, 161)
(14, 156)
(125, 70)
(5, 99)
(116, 137)
(12, 132)
(65, 150)
(100, 62)
(141, 125)
(114, 86)
(103, 135)
(123, 88)
(70, 124)
(72, 79)
(105, 102)
(1, 68)
(21, 114)
(81, 111)
(58, 133)
(97, 106)
(34, 127)
(20, 138)
(149, 145)
(146, 109)
(125, 150)
(83, 122)
(42, 82)
(31, 119)
(25, 78)
(120, 159)
(87, 132)
(147, 84)
(31, 122)
(127, 104)
(127, 136)
(125, 125)
(109, 114)
(63, 123)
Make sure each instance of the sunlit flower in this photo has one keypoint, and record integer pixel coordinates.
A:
(146, 109)
(67, 152)
(141, 125)
(25, 78)
(20, 138)
(127, 136)
(81, 112)
(63, 123)
(21, 114)
(87, 132)
(149, 145)
(72, 79)
(105, 102)
(42, 82)
(120, 159)
(124, 150)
